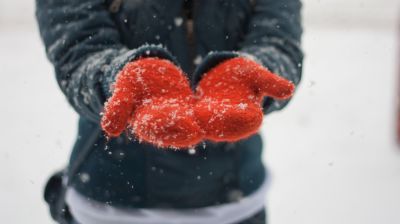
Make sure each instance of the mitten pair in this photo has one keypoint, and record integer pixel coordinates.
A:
(152, 98)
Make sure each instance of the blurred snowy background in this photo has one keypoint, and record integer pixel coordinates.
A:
(332, 151)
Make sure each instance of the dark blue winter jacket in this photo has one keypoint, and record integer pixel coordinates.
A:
(89, 41)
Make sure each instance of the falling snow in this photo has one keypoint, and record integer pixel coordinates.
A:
(178, 21)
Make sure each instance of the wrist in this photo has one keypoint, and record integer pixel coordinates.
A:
(129, 56)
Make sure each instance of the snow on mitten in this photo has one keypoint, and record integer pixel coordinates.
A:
(230, 96)
(153, 99)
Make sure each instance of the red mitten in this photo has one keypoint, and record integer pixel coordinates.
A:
(153, 98)
(229, 98)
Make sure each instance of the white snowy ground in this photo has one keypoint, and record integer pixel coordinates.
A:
(331, 151)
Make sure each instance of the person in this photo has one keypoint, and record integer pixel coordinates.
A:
(123, 180)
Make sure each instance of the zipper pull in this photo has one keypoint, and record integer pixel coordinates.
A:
(115, 6)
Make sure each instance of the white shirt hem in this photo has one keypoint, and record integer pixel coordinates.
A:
(87, 211)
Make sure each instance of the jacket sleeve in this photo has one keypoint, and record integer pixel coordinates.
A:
(272, 38)
(84, 45)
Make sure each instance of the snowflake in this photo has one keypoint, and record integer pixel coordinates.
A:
(242, 106)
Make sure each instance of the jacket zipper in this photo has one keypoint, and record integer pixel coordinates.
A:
(190, 35)
(115, 6)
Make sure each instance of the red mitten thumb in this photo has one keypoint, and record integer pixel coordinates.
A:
(261, 80)
(124, 100)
